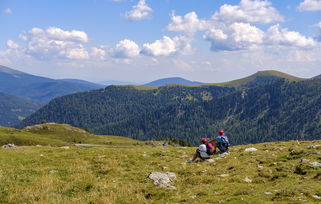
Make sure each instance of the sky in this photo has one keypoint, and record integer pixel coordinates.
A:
(144, 40)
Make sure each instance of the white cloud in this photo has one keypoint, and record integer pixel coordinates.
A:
(278, 36)
(189, 23)
(140, 11)
(74, 35)
(318, 36)
(250, 11)
(98, 53)
(126, 49)
(310, 5)
(7, 11)
(167, 46)
(237, 36)
(54, 43)
(12, 45)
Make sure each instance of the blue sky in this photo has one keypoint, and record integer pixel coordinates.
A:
(144, 40)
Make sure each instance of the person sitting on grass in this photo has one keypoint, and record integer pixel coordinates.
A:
(221, 142)
(201, 152)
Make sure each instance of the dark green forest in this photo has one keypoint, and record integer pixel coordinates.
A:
(13, 109)
(274, 110)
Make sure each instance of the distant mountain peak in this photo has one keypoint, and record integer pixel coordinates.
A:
(260, 77)
(172, 80)
(8, 70)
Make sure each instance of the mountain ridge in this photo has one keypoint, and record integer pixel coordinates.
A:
(36, 88)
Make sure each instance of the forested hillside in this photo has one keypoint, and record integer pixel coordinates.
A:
(273, 110)
(14, 109)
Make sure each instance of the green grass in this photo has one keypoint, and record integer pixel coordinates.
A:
(280, 173)
(58, 135)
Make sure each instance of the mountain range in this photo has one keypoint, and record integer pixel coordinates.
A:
(39, 89)
(266, 106)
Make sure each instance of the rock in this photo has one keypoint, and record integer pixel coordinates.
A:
(250, 149)
(313, 146)
(304, 160)
(247, 180)
(224, 175)
(318, 164)
(9, 146)
(268, 193)
(65, 147)
(163, 180)
(260, 167)
(316, 197)
(209, 160)
(224, 154)
(193, 196)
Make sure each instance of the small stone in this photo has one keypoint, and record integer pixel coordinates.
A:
(193, 196)
(41, 155)
(250, 149)
(9, 146)
(65, 147)
(247, 180)
(38, 145)
(224, 175)
(316, 197)
(304, 160)
(268, 193)
(209, 160)
(260, 167)
(318, 164)
(313, 146)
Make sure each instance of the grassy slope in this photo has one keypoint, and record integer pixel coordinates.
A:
(243, 81)
(57, 135)
(119, 175)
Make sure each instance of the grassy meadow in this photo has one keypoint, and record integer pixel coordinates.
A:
(118, 172)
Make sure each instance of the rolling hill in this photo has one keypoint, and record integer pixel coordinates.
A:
(172, 80)
(14, 109)
(269, 109)
(38, 89)
(258, 78)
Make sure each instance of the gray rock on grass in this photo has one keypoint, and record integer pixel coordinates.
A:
(163, 180)
(9, 146)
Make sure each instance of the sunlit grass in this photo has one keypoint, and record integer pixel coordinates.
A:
(119, 174)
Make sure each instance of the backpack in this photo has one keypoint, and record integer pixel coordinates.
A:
(223, 143)
(209, 148)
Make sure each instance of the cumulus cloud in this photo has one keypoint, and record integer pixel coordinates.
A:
(139, 12)
(98, 53)
(310, 5)
(7, 11)
(12, 45)
(237, 36)
(243, 36)
(167, 46)
(249, 11)
(126, 49)
(282, 36)
(50, 43)
(189, 23)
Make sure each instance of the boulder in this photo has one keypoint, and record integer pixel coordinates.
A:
(9, 146)
(163, 180)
